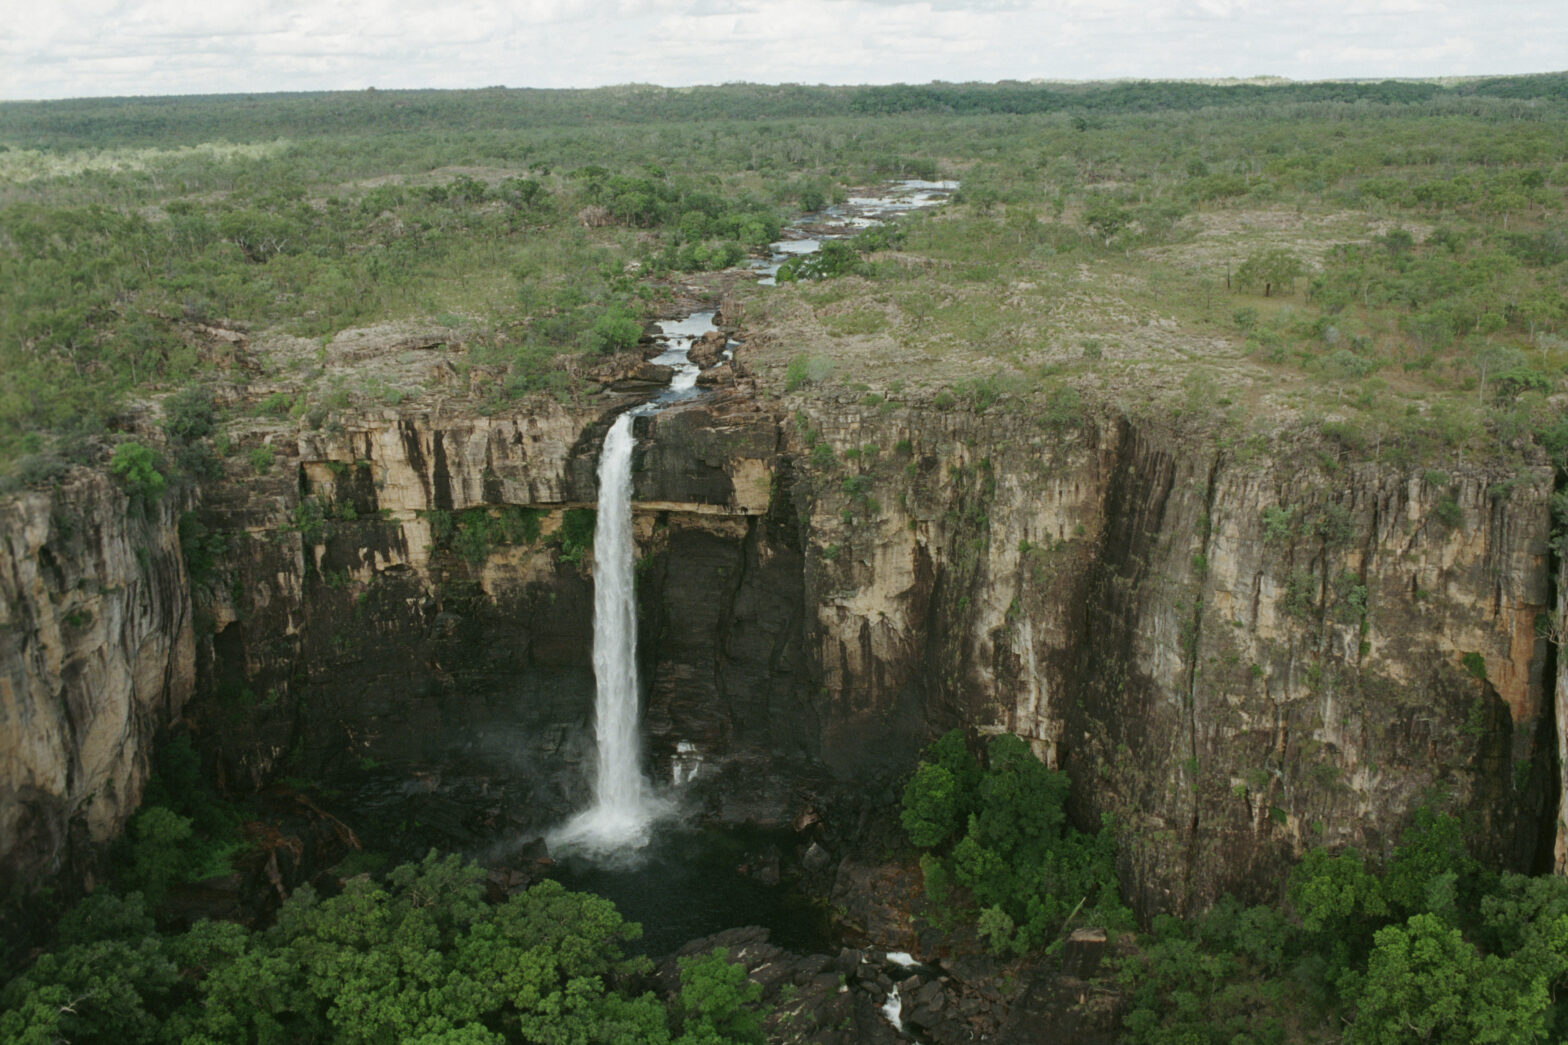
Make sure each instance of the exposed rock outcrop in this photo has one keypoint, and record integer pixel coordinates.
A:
(1239, 653)
(707, 349)
(1237, 656)
(96, 655)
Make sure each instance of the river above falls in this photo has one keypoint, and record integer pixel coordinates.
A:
(807, 233)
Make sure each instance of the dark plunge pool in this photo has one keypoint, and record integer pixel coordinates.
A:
(690, 882)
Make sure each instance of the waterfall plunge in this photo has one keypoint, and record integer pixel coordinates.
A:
(623, 808)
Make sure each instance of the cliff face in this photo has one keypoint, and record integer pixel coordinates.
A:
(1560, 849)
(1237, 656)
(410, 615)
(96, 654)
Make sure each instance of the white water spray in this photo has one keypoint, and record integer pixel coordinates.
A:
(893, 1009)
(623, 808)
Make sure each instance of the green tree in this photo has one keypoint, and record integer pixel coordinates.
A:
(1426, 983)
(189, 415)
(1269, 269)
(1335, 894)
(1432, 847)
(932, 805)
(137, 466)
(110, 980)
(159, 852)
(718, 1003)
(1106, 217)
(615, 331)
(1026, 871)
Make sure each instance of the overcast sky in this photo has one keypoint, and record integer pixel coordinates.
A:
(76, 48)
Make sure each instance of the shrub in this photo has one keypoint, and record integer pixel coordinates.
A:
(1026, 871)
(1271, 269)
(189, 415)
(576, 533)
(803, 369)
(1279, 522)
(201, 547)
(137, 468)
(1475, 664)
(615, 331)
(835, 258)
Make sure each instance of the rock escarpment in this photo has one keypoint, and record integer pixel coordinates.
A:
(96, 655)
(1236, 651)
(1236, 655)
(1560, 633)
(423, 635)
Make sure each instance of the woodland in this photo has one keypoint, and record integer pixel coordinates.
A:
(1376, 270)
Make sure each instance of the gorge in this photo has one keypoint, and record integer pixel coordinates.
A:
(1119, 596)
(497, 498)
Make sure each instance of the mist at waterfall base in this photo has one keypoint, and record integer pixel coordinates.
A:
(689, 882)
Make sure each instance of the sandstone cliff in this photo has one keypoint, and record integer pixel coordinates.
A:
(1238, 655)
(1237, 651)
(96, 655)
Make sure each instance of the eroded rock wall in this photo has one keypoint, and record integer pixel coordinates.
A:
(1560, 631)
(375, 623)
(1237, 655)
(96, 655)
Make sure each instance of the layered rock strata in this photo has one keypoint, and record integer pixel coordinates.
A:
(1236, 651)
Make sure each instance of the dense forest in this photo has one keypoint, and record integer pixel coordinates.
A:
(1378, 270)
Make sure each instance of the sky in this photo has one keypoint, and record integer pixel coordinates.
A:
(86, 48)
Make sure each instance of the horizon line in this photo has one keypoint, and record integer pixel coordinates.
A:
(1257, 80)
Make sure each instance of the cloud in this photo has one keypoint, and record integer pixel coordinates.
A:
(965, 6)
(93, 47)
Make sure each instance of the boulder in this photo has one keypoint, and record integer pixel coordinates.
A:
(721, 376)
(708, 349)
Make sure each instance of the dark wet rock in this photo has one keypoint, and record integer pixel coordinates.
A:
(227, 898)
(763, 866)
(1081, 957)
(972, 968)
(872, 1028)
(930, 996)
(505, 881)
(1059, 1010)
(816, 858)
(876, 900)
(849, 961)
(708, 349)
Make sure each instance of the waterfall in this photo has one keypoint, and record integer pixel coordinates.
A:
(623, 807)
(619, 788)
